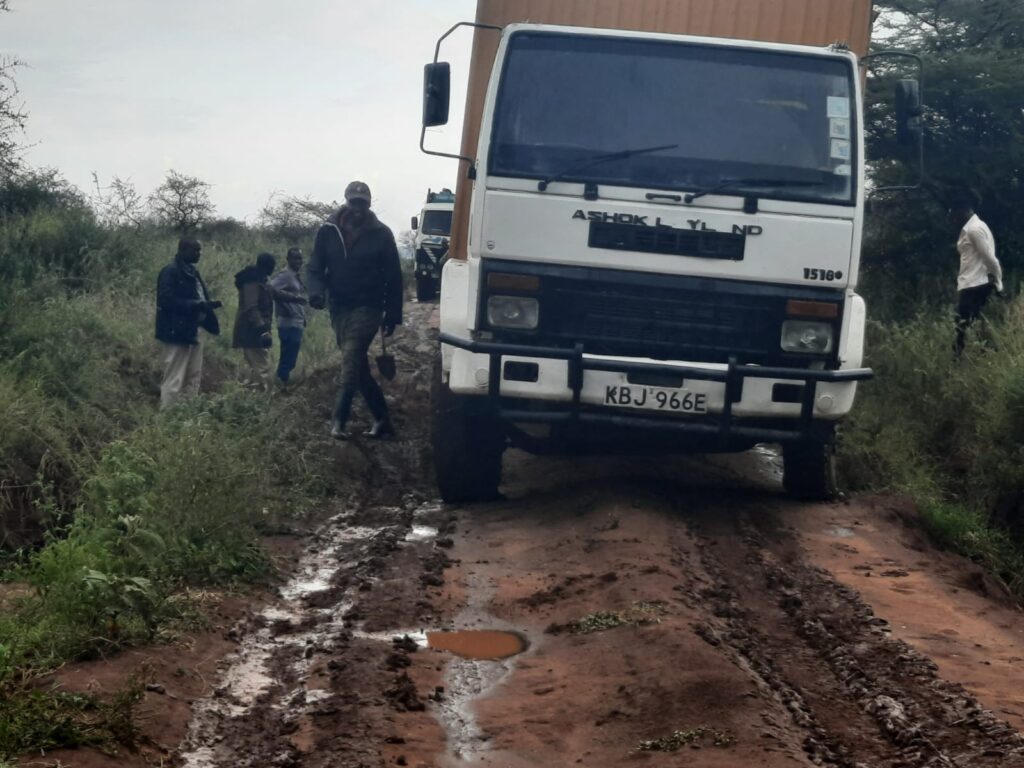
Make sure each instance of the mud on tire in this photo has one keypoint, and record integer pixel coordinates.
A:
(467, 445)
(809, 470)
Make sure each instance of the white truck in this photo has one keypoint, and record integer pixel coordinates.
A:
(657, 234)
(433, 229)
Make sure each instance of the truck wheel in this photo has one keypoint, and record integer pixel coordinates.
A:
(809, 470)
(425, 288)
(467, 445)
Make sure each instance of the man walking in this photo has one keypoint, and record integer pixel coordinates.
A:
(354, 270)
(254, 316)
(183, 306)
(980, 271)
(291, 314)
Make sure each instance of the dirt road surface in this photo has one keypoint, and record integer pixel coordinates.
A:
(671, 611)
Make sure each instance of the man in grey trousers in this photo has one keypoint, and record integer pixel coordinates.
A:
(291, 315)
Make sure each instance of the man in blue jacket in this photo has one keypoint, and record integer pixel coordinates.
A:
(354, 270)
(183, 306)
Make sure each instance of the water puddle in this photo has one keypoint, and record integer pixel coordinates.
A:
(480, 644)
(768, 460)
(273, 661)
(421, 533)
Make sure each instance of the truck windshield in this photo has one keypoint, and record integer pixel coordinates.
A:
(437, 223)
(732, 113)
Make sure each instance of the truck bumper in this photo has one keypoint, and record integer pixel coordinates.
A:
(739, 397)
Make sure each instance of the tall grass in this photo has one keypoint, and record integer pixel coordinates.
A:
(948, 431)
(111, 512)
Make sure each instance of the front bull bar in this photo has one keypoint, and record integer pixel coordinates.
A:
(724, 430)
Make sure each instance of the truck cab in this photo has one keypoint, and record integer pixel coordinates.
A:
(432, 235)
(662, 252)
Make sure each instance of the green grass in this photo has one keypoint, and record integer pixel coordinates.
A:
(639, 614)
(691, 736)
(35, 720)
(948, 432)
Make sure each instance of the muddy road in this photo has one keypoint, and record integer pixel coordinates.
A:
(654, 612)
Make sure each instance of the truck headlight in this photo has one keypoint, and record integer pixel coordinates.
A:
(517, 312)
(807, 337)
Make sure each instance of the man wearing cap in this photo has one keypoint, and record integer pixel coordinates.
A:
(355, 272)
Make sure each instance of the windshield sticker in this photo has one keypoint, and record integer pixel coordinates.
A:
(839, 127)
(838, 106)
(844, 170)
(840, 149)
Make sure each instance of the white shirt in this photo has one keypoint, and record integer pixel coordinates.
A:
(978, 259)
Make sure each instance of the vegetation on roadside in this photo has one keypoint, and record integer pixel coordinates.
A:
(113, 514)
(689, 737)
(35, 720)
(639, 614)
(948, 433)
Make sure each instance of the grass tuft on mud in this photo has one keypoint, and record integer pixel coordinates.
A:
(691, 737)
(639, 614)
(36, 720)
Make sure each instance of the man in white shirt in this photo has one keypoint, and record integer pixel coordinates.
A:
(980, 272)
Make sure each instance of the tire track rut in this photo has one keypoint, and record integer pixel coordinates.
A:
(863, 697)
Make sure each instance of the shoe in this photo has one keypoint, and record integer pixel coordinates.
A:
(338, 431)
(381, 429)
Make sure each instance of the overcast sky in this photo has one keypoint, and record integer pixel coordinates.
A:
(253, 96)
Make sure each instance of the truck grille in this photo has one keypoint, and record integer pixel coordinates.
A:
(665, 317)
(700, 326)
(667, 240)
(434, 251)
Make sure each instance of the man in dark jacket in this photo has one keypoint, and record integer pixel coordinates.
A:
(183, 306)
(354, 270)
(254, 316)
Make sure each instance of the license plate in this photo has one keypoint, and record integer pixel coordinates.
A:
(656, 399)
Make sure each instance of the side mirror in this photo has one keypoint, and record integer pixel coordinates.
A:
(908, 112)
(415, 222)
(437, 85)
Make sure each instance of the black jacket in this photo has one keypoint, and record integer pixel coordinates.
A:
(365, 274)
(180, 297)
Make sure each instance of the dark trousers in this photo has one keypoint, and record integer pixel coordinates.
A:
(355, 330)
(972, 301)
(291, 342)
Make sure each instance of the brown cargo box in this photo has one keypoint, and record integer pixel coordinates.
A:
(801, 22)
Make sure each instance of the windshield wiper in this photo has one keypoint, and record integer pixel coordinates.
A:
(543, 185)
(726, 185)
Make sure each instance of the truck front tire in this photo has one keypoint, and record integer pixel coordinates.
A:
(426, 288)
(809, 470)
(468, 445)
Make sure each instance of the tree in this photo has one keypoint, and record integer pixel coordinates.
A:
(406, 244)
(974, 56)
(292, 218)
(12, 114)
(182, 202)
(119, 204)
